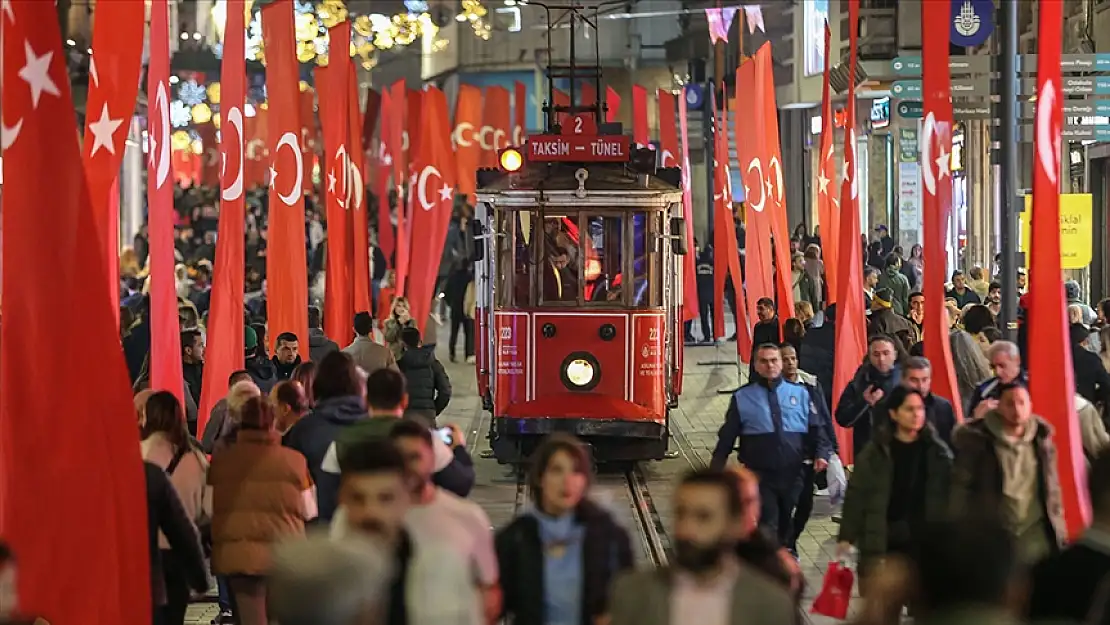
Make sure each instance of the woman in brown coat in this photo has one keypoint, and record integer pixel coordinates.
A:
(261, 493)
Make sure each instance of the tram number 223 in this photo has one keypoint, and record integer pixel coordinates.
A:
(506, 334)
(653, 335)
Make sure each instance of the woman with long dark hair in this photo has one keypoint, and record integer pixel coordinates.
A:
(305, 373)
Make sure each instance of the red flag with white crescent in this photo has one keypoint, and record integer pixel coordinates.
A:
(828, 204)
(1051, 375)
(468, 152)
(640, 134)
(308, 136)
(387, 237)
(668, 137)
(613, 101)
(286, 266)
(851, 331)
(113, 86)
(520, 109)
(370, 120)
(496, 121)
(358, 223)
(165, 334)
(433, 200)
(398, 147)
(671, 153)
(339, 307)
(255, 149)
(753, 157)
(224, 352)
(726, 253)
(936, 146)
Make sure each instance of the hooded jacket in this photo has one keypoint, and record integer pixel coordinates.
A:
(314, 434)
(319, 345)
(428, 385)
(263, 373)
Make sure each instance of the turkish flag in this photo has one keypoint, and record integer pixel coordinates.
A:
(433, 199)
(359, 224)
(210, 155)
(397, 146)
(468, 152)
(560, 98)
(333, 80)
(936, 145)
(726, 255)
(1051, 375)
(308, 136)
(828, 205)
(851, 320)
(668, 136)
(370, 119)
(753, 157)
(689, 268)
(255, 151)
(224, 353)
(412, 128)
(495, 124)
(520, 109)
(74, 448)
(639, 116)
(286, 266)
(113, 87)
(165, 334)
(613, 101)
(386, 235)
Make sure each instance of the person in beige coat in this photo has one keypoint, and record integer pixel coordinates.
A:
(1092, 432)
(167, 444)
(368, 354)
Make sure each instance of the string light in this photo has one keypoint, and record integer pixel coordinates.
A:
(474, 13)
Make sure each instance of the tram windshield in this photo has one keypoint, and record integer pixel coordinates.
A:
(559, 258)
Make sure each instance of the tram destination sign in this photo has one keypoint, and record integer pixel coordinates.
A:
(579, 148)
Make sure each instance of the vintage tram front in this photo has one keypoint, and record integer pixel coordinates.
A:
(579, 288)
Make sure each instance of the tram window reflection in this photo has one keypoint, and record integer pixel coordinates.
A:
(646, 261)
(602, 266)
(559, 279)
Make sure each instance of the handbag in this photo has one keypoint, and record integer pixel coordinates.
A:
(836, 592)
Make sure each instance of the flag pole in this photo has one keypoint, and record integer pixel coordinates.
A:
(1008, 33)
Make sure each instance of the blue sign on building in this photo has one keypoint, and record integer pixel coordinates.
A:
(972, 22)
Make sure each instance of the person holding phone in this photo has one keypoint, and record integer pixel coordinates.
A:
(875, 379)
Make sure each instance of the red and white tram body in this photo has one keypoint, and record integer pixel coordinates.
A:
(579, 292)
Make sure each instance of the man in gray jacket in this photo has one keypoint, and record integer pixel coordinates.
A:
(367, 353)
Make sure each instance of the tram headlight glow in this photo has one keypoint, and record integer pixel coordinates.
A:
(511, 160)
(580, 372)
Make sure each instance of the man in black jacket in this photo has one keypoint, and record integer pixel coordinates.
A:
(319, 345)
(917, 374)
(816, 353)
(766, 329)
(1091, 379)
(428, 385)
(874, 380)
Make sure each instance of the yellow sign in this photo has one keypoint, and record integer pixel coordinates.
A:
(1076, 230)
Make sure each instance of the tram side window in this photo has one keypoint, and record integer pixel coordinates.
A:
(514, 257)
(603, 248)
(646, 261)
(559, 270)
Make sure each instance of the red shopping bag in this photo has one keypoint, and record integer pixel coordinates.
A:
(836, 592)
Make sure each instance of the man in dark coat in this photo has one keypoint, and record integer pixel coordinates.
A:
(766, 330)
(319, 345)
(816, 353)
(874, 380)
(1091, 378)
(917, 374)
(429, 387)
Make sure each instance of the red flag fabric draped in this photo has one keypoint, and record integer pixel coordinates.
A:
(520, 109)
(468, 152)
(495, 124)
(286, 268)
(753, 158)
(828, 206)
(1051, 375)
(668, 137)
(210, 156)
(639, 116)
(73, 448)
(256, 152)
(359, 223)
(370, 119)
(433, 201)
(224, 352)
(398, 148)
(387, 237)
(726, 254)
(936, 141)
(689, 275)
(339, 306)
(308, 137)
(165, 329)
(560, 98)
(588, 94)
(613, 101)
(851, 333)
(113, 87)
(412, 125)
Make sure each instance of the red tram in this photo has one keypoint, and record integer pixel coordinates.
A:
(579, 292)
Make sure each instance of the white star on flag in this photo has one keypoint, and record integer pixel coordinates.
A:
(822, 182)
(331, 181)
(153, 148)
(273, 176)
(387, 159)
(942, 164)
(770, 187)
(36, 73)
(6, 6)
(446, 192)
(102, 131)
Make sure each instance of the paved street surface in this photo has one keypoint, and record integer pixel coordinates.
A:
(695, 425)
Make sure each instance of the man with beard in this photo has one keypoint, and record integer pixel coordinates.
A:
(918, 375)
(873, 380)
(766, 328)
(192, 366)
(706, 583)
(287, 355)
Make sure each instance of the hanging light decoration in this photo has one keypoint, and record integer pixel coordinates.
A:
(474, 13)
(201, 113)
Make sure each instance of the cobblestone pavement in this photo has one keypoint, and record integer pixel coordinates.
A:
(704, 400)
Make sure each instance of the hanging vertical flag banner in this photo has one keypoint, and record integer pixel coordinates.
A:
(308, 136)
(165, 329)
(224, 353)
(412, 126)
(640, 134)
(209, 156)
(468, 152)
(358, 223)
(370, 121)
(668, 138)
(286, 267)
(74, 447)
(724, 234)
(935, 146)
(851, 331)
(496, 121)
(689, 262)
(828, 205)
(434, 194)
(339, 307)
(398, 147)
(386, 234)
(613, 102)
(753, 159)
(256, 151)
(1051, 374)
(113, 86)
(520, 113)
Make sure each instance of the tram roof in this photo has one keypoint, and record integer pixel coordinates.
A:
(603, 181)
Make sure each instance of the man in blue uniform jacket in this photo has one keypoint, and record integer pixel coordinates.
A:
(777, 426)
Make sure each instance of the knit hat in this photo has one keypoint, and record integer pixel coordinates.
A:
(250, 338)
(884, 297)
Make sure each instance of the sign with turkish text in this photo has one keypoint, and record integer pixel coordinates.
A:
(647, 362)
(578, 148)
(510, 335)
(1076, 230)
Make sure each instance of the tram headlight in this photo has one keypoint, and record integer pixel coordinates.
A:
(580, 371)
(511, 160)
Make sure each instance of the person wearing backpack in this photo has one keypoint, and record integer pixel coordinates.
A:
(167, 444)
